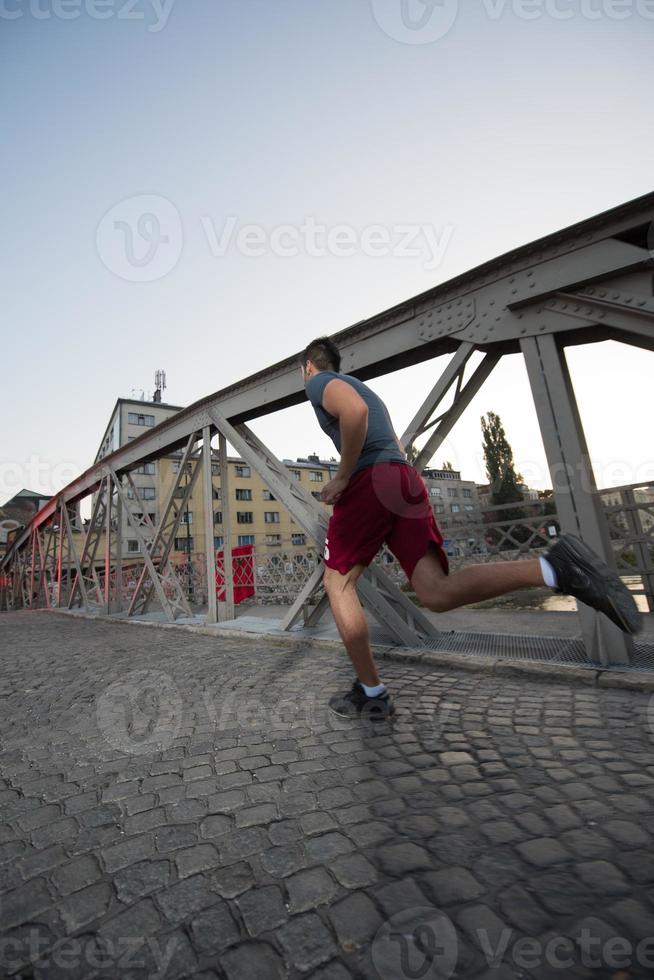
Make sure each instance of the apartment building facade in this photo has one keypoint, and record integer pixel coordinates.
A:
(256, 517)
(456, 507)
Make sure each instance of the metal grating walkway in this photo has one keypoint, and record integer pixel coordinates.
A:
(544, 649)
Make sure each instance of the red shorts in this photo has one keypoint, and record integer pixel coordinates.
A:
(386, 502)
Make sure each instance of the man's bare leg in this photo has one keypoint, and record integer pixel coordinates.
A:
(441, 592)
(351, 622)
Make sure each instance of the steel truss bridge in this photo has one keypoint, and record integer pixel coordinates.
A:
(591, 282)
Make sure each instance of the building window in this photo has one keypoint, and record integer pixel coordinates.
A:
(217, 493)
(243, 494)
(145, 493)
(187, 517)
(439, 508)
(315, 476)
(139, 517)
(218, 517)
(179, 492)
(298, 539)
(177, 466)
(452, 492)
(273, 539)
(244, 517)
(271, 516)
(467, 492)
(215, 469)
(184, 544)
(267, 495)
(435, 491)
(218, 542)
(296, 474)
(147, 469)
(243, 471)
(132, 546)
(245, 539)
(138, 418)
(455, 508)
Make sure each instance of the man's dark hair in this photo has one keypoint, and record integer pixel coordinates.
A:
(324, 354)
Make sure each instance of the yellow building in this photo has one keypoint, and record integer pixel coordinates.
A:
(256, 517)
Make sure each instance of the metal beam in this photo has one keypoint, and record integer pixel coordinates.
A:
(226, 608)
(462, 399)
(176, 601)
(212, 611)
(453, 372)
(164, 534)
(577, 501)
(303, 599)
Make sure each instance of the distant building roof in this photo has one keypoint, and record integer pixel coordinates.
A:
(310, 462)
(31, 493)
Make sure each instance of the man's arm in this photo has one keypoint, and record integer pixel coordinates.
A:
(344, 403)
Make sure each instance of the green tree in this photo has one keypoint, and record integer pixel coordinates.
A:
(500, 470)
(498, 455)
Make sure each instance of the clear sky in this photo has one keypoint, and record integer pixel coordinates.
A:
(165, 127)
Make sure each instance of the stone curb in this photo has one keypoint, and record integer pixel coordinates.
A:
(532, 669)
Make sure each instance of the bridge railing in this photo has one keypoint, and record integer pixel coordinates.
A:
(274, 574)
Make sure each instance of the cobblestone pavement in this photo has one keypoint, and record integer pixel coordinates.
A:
(179, 806)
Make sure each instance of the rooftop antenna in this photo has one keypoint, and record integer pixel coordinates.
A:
(138, 394)
(159, 384)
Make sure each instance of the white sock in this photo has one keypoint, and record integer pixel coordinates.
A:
(548, 573)
(373, 691)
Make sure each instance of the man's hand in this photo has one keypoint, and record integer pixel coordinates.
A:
(333, 490)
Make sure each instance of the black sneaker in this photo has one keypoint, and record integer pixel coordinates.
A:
(582, 574)
(356, 704)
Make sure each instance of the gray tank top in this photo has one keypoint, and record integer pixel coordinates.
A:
(380, 445)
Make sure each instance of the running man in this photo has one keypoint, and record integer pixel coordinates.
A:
(379, 497)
